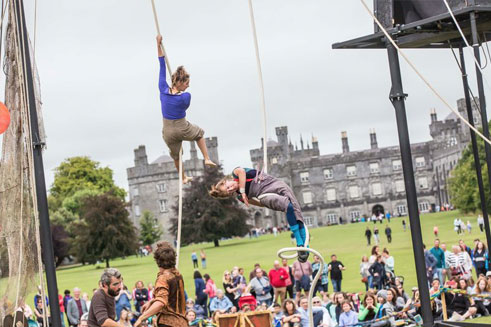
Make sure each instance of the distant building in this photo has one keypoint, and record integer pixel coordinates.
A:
(155, 186)
(352, 184)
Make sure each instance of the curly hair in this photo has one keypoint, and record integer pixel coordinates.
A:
(165, 255)
(180, 76)
(215, 189)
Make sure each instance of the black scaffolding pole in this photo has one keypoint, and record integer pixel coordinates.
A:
(42, 200)
(397, 97)
(484, 116)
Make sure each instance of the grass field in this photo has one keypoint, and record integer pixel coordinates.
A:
(346, 241)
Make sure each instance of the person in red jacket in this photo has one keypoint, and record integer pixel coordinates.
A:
(278, 277)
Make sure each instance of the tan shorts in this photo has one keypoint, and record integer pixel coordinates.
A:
(176, 131)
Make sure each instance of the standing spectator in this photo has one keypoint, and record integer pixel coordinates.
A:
(289, 281)
(336, 268)
(469, 227)
(150, 289)
(66, 298)
(373, 258)
(404, 225)
(322, 285)
(430, 262)
(194, 258)
(76, 308)
(388, 233)
(388, 261)
(480, 259)
(447, 274)
(364, 266)
(252, 274)
(238, 280)
(464, 247)
(210, 287)
(38, 296)
(456, 224)
(203, 259)
(278, 277)
(480, 222)
(220, 303)
(348, 317)
(377, 270)
(301, 273)
(228, 286)
(141, 295)
(375, 235)
(85, 297)
(440, 261)
(388, 216)
(38, 312)
(199, 286)
(102, 310)
(368, 235)
(62, 310)
(123, 301)
(262, 287)
(435, 230)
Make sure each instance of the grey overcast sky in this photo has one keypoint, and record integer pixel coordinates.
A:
(98, 66)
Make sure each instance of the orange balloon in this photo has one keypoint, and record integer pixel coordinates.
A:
(4, 118)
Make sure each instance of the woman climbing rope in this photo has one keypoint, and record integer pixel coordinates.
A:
(175, 102)
(259, 189)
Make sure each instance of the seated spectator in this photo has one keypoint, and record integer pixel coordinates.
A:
(336, 310)
(348, 317)
(262, 307)
(403, 300)
(369, 308)
(482, 289)
(220, 303)
(233, 309)
(84, 320)
(277, 315)
(291, 316)
(326, 317)
(198, 309)
(435, 286)
(458, 305)
(245, 308)
(320, 313)
(191, 317)
(124, 319)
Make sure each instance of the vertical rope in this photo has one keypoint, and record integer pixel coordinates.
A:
(261, 87)
(35, 26)
(156, 19)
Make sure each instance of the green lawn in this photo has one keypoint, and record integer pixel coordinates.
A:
(346, 241)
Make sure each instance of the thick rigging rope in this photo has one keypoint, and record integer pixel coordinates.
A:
(179, 215)
(413, 67)
(261, 89)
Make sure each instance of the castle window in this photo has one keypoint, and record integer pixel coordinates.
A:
(396, 165)
(137, 211)
(163, 205)
(161, 187)
(351, 170)
(332, 218)
(307, 197)
(274, 160)
(304, 177)
(135, 191)
(354, 214)
(401, 209)
(374, 168)
(354, 191)
(400, 186)
(377, 188)
(331, 194)
(328, 173)
(423, 182)
(452, 141)
(424, 207)
(308, 221)
(420, 161)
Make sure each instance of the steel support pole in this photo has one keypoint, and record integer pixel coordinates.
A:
(397, 97)
(484, 116)
(42, 201)
(475, 149)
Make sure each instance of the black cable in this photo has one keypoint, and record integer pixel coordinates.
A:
(479, 41)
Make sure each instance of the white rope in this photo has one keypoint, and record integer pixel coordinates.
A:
(413, 67)
(179, 216)
(282, 255)
(261, 85)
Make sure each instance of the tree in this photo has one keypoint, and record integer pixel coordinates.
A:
(463, 182)
(104, 231)
(208, 219)
(61, 246)
(150, 229)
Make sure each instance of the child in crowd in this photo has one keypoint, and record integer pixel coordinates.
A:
(348, 317)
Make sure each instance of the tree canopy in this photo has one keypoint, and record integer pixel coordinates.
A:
(150, 229)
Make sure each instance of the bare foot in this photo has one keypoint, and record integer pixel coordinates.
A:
(210, 163)
(186, 179)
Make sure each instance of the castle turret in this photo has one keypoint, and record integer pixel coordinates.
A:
(344, 140)
(212, 145)
(141, 158)
(373, 139)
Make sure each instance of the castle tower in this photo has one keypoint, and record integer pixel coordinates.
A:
(212, 145)
(373, 139)
(141, 158)
(344, 140)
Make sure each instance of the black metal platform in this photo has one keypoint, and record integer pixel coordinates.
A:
(432, 33)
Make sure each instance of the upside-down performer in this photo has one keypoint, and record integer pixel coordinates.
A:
(263, 190)
(175, 102)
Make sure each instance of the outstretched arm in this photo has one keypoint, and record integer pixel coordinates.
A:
(159, 45)
(241, 173)
(255, 202)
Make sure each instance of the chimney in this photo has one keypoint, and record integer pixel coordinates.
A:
(141, 156)
(212, 146)
(373, 139)
(301, 141)
(433, 115)
(344, 140)
(315, 143)
(194, 153)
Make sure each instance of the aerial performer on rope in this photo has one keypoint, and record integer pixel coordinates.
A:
(260, 189)
(175, 101)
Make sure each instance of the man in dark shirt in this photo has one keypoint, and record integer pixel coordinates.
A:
(102, 312)
(336, 267)
(388, 233)
(368, 235)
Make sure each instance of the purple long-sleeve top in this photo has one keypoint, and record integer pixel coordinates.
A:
(174, 106)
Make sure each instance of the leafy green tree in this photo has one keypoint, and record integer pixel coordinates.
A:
(104, 231)
(208, 219)
(150, 229)
(463, 182)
